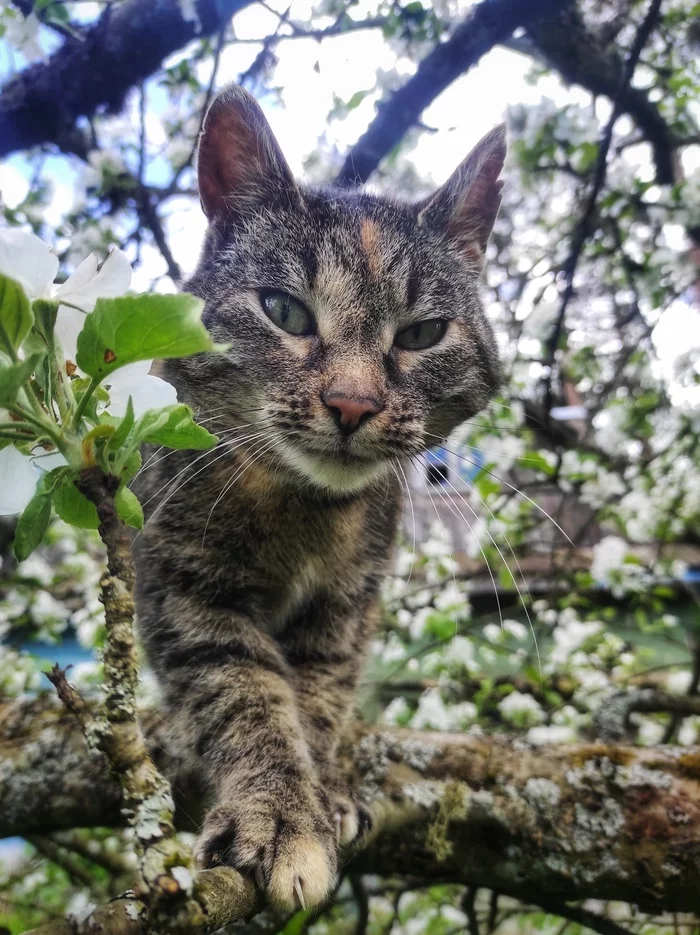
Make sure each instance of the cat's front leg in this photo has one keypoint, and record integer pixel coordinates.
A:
(227, 690)
(325, 676)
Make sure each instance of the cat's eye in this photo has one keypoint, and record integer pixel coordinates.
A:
(287, 313)
(421, 335)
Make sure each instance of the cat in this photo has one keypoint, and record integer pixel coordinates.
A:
(355, 338)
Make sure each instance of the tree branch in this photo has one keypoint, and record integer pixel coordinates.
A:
(488, 23)
(584, 226)
(560, 823)
(565, 45)
(127, 44)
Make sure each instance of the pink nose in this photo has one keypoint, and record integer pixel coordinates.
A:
(350, 412)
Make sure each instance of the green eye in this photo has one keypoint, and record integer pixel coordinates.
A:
(422, 335)
(287, 313)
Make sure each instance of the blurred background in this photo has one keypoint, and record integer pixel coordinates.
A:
(550, 551)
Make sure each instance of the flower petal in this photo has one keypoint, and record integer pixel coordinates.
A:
(69, 324)
(18, 481)
(86, 271)
(28, 260)
(90, 282)
(146, 392)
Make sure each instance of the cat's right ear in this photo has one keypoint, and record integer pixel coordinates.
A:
(240, 163)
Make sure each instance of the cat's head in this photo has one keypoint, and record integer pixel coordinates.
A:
(355, 328)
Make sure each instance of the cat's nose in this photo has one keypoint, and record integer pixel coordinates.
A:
(350, 412)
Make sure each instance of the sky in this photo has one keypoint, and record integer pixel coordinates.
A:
(310, 76)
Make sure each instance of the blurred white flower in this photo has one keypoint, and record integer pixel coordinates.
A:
(433, 712)
(570, 636)
(551, 733)
(146, 391)
(521, 709)
(22, 32)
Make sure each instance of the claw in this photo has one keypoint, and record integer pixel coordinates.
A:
(338, 818)
(259, 877)
(300, 893)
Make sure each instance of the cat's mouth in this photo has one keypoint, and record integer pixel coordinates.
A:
(340, 470)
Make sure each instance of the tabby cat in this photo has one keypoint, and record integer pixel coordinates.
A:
(355, 337)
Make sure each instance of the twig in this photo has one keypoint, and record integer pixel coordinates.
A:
(612, 719)
(146, 798)
(584, 917)
(362, 902)
(57, 855)
(71, 698)
(469, 907)
(582, 230)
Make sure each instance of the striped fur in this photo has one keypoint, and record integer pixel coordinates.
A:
(261, 561)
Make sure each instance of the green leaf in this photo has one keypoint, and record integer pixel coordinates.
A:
(131, 466)
(173, 427)
(34, 521)
(121, 331)
(14, 376)
(16, 316)
(129, 508)
(74, 507)
(124, 427)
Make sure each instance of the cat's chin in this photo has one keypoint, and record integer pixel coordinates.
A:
(342, 477)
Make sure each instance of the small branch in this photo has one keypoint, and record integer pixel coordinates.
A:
(583, 228)
(71, 698)
(146, 797)
(583, 917)
(469, 906)
(57, 855)
(611, 721)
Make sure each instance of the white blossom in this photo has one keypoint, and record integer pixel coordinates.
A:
(29, 261)
(521, 709)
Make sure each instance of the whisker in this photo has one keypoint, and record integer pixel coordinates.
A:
(224, 432)
(228, 448)
(230, 482)
(509, 486)
(502, 557)
(444, 532)
(413, 515)
(459, 513)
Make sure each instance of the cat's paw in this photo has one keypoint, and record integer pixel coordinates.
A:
(290, 856)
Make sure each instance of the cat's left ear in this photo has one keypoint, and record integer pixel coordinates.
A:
(464, 209)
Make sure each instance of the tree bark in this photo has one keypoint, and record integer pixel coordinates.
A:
(598, 820)
(96, 70)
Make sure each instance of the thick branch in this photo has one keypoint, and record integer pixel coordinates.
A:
(487, 24)
(127, 44)
(567, 46)
(567, 823)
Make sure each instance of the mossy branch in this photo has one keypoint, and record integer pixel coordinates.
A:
(564, 823)
(146, 798)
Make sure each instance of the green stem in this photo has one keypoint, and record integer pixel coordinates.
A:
(84, 401)
(13, 437)
(45, 428)
(17, 427)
